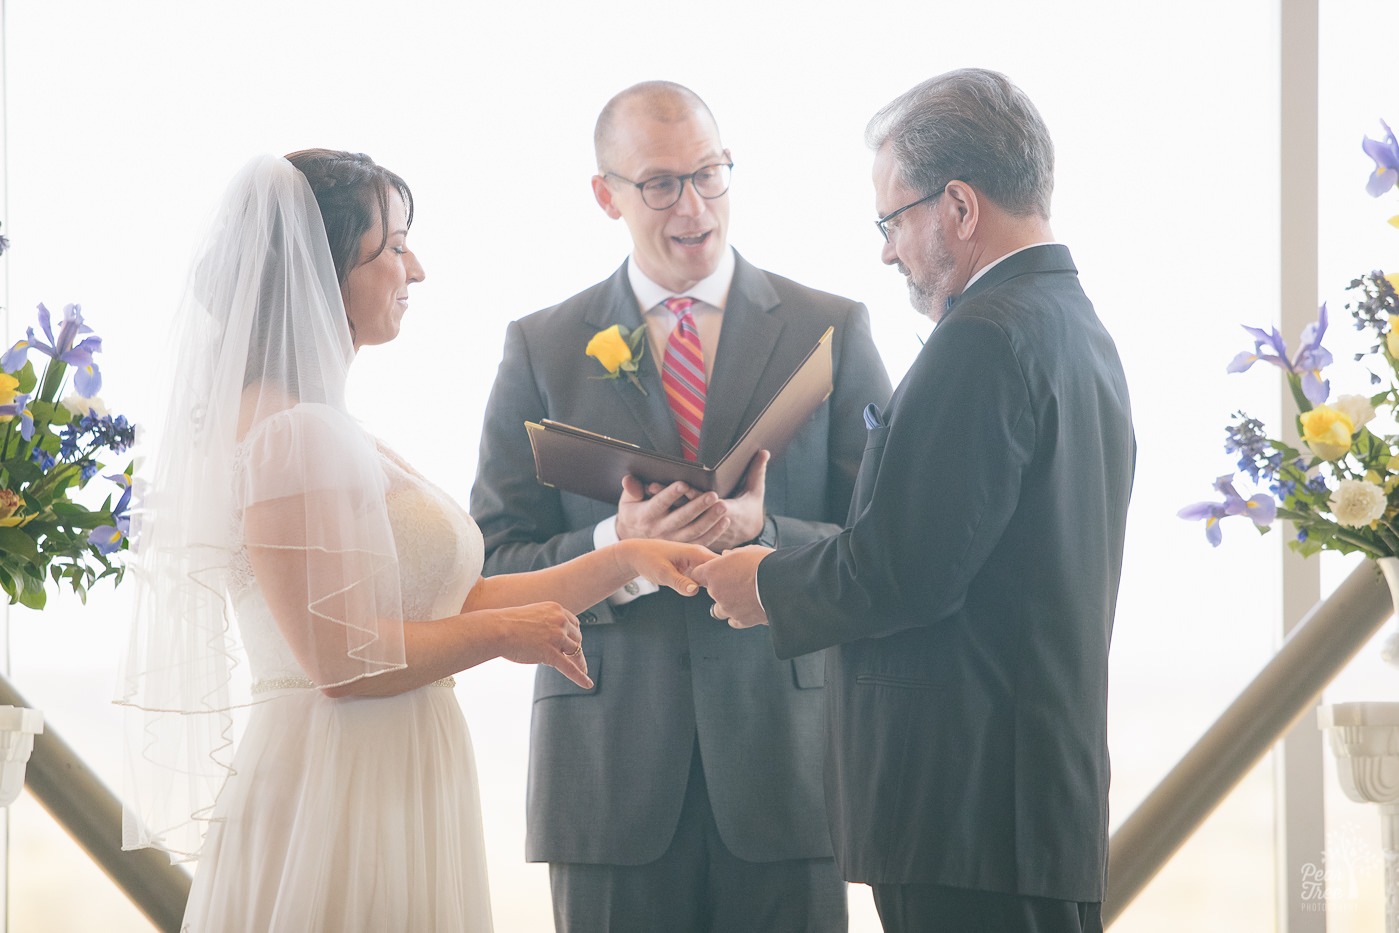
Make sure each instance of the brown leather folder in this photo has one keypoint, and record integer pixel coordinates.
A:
(593, 465)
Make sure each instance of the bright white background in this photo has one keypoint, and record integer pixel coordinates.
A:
(125, 121)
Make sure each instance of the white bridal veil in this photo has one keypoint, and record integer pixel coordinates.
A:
(260, 460)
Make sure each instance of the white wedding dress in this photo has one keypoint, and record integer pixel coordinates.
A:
(353, 814)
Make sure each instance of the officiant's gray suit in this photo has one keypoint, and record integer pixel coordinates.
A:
(609, 766)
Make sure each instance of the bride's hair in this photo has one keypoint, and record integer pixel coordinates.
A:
(352, 191)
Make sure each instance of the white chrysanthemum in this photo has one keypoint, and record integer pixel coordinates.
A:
(80, 406)
(1355, 407)
(1356, 503)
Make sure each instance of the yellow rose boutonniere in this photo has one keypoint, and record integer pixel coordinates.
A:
(619, 350)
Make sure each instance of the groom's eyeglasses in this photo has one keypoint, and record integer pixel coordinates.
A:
(883, 222)
(663, 192)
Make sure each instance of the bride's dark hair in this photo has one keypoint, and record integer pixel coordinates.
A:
(352, 191)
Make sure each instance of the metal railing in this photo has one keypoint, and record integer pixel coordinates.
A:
(1285, 689)
(79, 802)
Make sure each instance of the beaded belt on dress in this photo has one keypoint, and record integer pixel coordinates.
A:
(304, 683)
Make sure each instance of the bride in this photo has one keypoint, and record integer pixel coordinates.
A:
(291, 564)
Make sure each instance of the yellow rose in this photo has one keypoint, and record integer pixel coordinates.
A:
(1391, 339)
(610, 349)
(10, 503)
(1327, 432)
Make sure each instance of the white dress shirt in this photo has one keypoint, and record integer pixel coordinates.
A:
(710, 294)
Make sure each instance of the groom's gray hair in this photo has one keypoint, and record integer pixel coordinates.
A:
(973, 125)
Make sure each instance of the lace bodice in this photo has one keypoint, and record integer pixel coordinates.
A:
(440, 554)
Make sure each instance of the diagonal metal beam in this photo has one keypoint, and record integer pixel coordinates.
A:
(1285, 689)
(78, 800)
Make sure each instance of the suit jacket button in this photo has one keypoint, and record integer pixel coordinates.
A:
(587, 618)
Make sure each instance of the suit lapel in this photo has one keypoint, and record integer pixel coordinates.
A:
(650, 411)
(746, 343)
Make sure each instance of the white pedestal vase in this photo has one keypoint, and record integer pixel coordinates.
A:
(1365, 740)
(1364, 737)
(18, 726)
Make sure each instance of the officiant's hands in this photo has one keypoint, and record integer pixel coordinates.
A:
(745, 510)
(673, 513)
(679, 513)
(732, 582)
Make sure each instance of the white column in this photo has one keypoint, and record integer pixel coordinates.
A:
(1300, 819)
(4, 331)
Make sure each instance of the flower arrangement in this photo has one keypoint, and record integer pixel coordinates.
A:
(51, 446)
(1342, 491)
(619, 350)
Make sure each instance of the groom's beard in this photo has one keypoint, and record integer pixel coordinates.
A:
(931, 296)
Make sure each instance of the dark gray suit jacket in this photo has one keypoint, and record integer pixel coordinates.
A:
(972, 595)
(608, 766)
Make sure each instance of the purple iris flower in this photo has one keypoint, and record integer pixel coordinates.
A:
(66, 348)
(1311, 357)
(18, 408)
(1260, 508)
(107, 538)
(1386, 155)
(15, 356)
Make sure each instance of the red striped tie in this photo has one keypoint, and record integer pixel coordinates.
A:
(682, 374)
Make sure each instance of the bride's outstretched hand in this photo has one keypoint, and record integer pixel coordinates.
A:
(666, 563)
(544, 633)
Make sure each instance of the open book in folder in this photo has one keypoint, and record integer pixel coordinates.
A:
(593, 465)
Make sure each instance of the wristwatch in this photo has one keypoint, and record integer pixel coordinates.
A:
(768, 536)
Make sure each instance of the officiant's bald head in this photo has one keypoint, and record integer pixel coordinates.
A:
(663, 170)
(662, 101)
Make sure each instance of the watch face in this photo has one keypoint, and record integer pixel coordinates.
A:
(768, 536)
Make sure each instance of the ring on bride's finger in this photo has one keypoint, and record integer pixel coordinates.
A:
(576, 648)
(714, 612)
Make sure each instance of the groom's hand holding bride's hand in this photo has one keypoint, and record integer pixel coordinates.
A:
(732, 581)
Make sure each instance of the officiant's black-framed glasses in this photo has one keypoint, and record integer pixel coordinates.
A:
(663, 192)
(883, 222)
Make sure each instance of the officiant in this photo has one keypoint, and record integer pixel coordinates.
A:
(683, 790)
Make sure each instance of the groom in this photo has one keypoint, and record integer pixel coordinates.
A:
(683, 791)
(970, 597)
